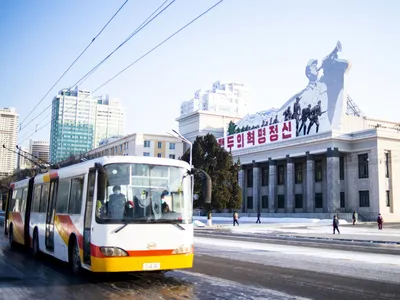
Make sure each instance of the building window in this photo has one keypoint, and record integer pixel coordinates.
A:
(172, 156)
(249, 178)
(363, 166)
(318, 170)
(264, 201)
(159, 155)
(146, 154)
(298, 170)
(341, 167)
(281, 201)
(342, 200)
(171, 146)
(388, 198)
(318, 200)
(281, 175)
(387, 164)
(147, 144)
(159, 145)
(298, 201)
(250, 202)
(364, 198)
(264, 176)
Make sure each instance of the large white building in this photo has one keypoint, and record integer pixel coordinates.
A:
(109, 119)
(210, 111)
(8, 137)
(315, 159)
(39, 149)
(80, 121)
(141, 144)
(228, 98)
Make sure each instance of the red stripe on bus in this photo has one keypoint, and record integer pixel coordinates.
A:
(67, 228)
(96, 252)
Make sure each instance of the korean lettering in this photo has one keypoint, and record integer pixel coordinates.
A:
(261, 134)
(240, 140)
(250, 137)
(287, 130)
(230, 141)
(273, 133)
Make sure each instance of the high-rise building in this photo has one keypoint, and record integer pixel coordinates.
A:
(229, 98)
(80, 121)
(8, 137)
(22, 161)
(39, 149)
(210, 111)
(109, 119)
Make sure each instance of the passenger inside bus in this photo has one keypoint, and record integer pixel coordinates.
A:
(116, 204)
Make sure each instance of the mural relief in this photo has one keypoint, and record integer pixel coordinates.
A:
(317, 108)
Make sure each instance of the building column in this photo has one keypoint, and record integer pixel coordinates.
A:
(289, 184)
(333, 179)
(256, 187)
(310, 178)
(272, 185)
(242, 184)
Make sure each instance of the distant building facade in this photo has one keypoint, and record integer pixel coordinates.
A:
(141, 144)
(41, 150)
(80, 120)
(8, 136)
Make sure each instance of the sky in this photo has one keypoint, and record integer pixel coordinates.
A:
(264, 44)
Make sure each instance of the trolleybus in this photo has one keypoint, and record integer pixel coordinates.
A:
(109, 214)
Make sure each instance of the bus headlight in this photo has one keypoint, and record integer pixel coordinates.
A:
(183, 249)
(113, 251)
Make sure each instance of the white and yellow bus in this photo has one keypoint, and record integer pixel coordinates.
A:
(109, 214)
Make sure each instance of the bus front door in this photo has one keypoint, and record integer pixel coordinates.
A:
(88, 216)
(51, 208)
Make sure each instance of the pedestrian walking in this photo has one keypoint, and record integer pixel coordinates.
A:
(380, 222)
(335, 225)
(355, 216)
(258, 218)
(235, 218)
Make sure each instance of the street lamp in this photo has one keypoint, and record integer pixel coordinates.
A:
(186, 141)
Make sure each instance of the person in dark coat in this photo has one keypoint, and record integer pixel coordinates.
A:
(380, 221)
(258, 218)
(354, 217)
(335, 225)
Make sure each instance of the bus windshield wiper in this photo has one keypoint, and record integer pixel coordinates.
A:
(120, 228)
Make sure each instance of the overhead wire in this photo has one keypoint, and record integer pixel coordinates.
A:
(133, 63)
(136, 31)
(71, 65)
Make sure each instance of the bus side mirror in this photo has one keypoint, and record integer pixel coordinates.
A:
(101, 182)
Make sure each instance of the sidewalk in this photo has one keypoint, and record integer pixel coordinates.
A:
(358, 233)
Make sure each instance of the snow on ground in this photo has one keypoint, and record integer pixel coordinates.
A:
(198, 223)
(217, 288)
(263, 220)
(381, 267)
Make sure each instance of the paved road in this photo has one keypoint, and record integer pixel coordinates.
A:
(224, 269)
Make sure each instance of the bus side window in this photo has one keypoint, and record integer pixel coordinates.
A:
(44, 198)
(36, 198)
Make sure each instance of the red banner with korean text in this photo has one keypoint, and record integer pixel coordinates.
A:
(261, 136)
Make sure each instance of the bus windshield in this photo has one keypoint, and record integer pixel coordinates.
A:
(143, 193)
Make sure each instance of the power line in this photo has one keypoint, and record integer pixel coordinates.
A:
(137, 30)
(133, 63)
(65, 72)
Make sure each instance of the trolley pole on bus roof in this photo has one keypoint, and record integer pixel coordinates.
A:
(186, 141)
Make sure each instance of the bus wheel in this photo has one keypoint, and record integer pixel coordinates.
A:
(35, 246)
(75, 258)
(11, 237)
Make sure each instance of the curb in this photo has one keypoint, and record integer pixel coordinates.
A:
(297, 237)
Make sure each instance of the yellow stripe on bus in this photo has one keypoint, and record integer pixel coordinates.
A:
(130, 264)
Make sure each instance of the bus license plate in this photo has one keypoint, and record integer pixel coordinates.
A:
(151, 266)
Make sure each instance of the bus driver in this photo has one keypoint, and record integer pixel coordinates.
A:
(116, 204)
